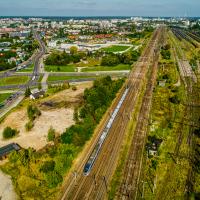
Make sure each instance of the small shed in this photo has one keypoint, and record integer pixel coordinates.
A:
(6, 150)
(153, 145)
(37, 95)
(162, 83)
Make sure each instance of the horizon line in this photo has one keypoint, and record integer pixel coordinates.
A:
(85, 16)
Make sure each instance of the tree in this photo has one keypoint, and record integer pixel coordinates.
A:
(110, 60)
(73, 50)
(39, 86)
(48, 166)
(33, 112)
(53, 179)
(9, 133)
(51, 134)
(27, 92)
(29, 125)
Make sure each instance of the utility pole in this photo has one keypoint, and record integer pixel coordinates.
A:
(75, 174)
(105, 182)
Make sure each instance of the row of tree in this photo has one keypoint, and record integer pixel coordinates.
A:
(115, 59)
(61, 59)
(96, 101)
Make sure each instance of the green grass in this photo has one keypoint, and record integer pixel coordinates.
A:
(14, 80)
(3, 97)
(54, 68)
(28, 69)
(62, 78)
(115, 48)
(107, 68)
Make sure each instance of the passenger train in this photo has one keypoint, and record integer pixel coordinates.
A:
(90, 162)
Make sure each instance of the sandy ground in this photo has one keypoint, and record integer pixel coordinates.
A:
(6, 189)
(59, 119)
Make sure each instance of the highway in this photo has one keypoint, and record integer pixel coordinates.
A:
(95, 185)
(18, 96)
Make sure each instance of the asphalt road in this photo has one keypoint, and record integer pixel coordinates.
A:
(18, 96)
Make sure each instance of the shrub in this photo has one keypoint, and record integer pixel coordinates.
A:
(9, 133)
(29, 125)
(175, 99)
(48, 166)
(33, 112)
(74, 88)
(53, 179)
(51, 134)
(27, 92)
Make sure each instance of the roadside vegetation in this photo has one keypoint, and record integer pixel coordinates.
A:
(38, 175)
(108, 68)
(4, 96)
(63, 78)
(52, 89)
(14, 80)
(57, 68)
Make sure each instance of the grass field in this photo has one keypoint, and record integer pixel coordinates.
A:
(62, 78)
(14, 80)
(107, 68)
(54, 68)
(115, 48)
(3, 97)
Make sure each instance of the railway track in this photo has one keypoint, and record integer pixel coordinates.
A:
(95, 185)
(131, 172)
(189, 112)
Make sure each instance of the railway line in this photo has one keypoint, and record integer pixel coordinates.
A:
(95, 185)
(131, 173)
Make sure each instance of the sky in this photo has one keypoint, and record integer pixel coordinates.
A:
(184, 8)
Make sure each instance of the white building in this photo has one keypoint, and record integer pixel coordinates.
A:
(52, 44)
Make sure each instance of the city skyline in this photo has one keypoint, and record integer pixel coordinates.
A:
(170, 8)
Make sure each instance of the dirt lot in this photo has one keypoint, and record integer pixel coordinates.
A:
(57, 111)
(6, 189)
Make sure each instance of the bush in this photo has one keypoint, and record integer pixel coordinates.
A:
(29, 125)
(48, 166)
(33, 112)
(51, 134)
(166, 54)
(53, 179)
(9, 133)
(175, 99)
(74, 88)
(27, 92)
